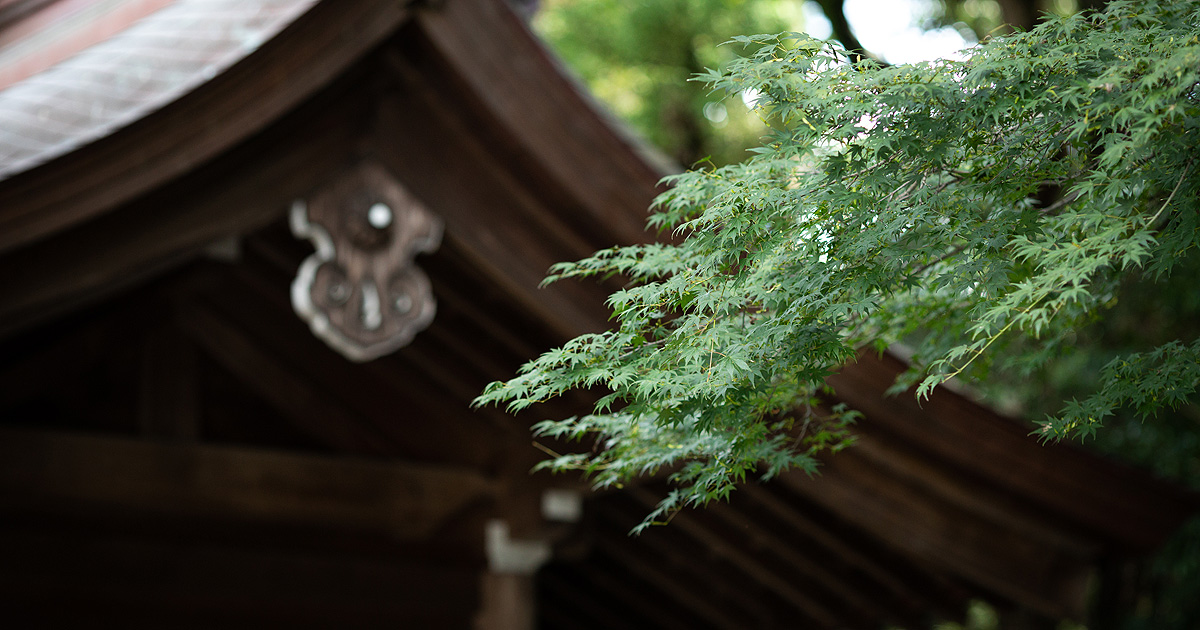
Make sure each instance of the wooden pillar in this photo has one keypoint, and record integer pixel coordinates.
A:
(508, 593)
(508, 602)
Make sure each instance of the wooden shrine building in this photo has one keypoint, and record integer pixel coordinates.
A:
(258, 256)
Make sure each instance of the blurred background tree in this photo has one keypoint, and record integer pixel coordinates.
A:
(638, 58)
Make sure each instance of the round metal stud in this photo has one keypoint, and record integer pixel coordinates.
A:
(379, 216)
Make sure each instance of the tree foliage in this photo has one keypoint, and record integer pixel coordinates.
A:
(957, 206)
(638, 56)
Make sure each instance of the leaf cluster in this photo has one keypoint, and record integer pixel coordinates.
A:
(954, 205)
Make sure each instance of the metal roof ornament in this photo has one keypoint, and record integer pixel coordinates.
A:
(361, 291)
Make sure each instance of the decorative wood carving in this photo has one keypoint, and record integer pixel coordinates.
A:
(360, 291)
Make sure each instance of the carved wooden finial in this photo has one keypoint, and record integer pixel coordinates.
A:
(361, 291)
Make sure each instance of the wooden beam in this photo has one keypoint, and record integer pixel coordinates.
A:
(670, 585)
(946, 537)
(974, 495)
(931, 595)
(759, 537)
(1123, 507)
(616, 585)
(678, 555)
(71, 472)
(737, 556)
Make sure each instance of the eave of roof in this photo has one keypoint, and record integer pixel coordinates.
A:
(75, 159)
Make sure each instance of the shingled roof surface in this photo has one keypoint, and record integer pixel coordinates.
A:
(125, 77)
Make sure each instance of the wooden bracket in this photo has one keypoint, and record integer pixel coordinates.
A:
(361, 292)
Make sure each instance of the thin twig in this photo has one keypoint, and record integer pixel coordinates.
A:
(975, 354)
(1166, 203)
(545, 449)
(1060, 204)
(954, 251)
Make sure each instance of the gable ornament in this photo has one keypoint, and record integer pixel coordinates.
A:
(361, 291)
